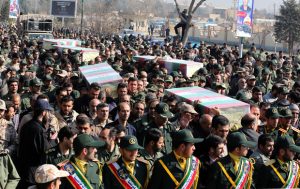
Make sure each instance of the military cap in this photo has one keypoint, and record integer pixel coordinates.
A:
(272, 113)
(35, 82)
(222, 85)
(23, 62)
(294, 108)
(175, 74)
(85, 140)
(241, 70)
(29, 56)
(152, 88)
(160, 79)
(286, 113)
(237, 139)
(130, 143)
(203, 71)
(32, 69)
(47, 173)
(169, 78)
(185, 135)
(2, 105)
(283, 90)
(202, 78)
(287, 142)
(12, 80)
(217, 67)
(188, 108)
(163, 110)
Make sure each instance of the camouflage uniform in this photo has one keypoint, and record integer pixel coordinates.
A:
(8, 136)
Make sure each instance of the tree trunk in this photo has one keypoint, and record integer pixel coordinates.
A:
(186, 32)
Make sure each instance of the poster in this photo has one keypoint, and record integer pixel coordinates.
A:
(14, 8)
(64, 8)
(244, 18)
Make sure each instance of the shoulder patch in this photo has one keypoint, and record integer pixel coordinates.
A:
(270, 162)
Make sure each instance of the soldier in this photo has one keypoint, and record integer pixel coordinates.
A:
(234, 169)
(111, 151)
(128, 171)
(178, 169)
(83, 165)
(154, 142)
(35, 88)
(272, 116)
(247, 92)
(102, 117)
(283, 171)
(63, 150)
(13, 86)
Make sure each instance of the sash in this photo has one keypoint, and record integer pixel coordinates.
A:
(292, 180)
(190, 175)
(76, 178)
(127, 180)
(244, 173)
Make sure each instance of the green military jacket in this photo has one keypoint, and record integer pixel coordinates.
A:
(217, 178)
(141, 127)
(25, 102)
(105, 156)
(160, 179)
(266, 86)
(143, 154)
(267, 178)
(54, 156)
(9, 176)
(92, 175)
(141, 173)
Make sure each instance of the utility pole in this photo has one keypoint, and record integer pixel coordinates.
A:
(81, 21)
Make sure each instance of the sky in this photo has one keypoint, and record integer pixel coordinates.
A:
(259, 4)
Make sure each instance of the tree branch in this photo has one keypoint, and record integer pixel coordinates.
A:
(191, 7)
(198, 5)
(177, 6)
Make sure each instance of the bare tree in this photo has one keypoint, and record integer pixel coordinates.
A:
(192, 9)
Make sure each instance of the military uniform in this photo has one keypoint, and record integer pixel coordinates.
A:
(143, 154)
(105, 156)
(8, 136)
(141, 127)
(54, 156)
(89, 171)
(279, 173)
(232, 170)
(171, 170)
(9, 175)
(122, 174)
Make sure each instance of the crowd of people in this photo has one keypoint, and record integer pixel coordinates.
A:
(58, 131)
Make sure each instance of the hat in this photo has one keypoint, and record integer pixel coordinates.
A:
(65, 51)
(203, 71)
(283, 90)
(241, 70)
(175, 74)
(130, 142)
(202, 78)
(48, 78)
(47, 173)
(185, 135)
(163, 110)
(294, 107)
(2, 105)
(285, 141)
(286, 113)
(251, 77)
(152, 88)
(188, 108)
(272, 113)
(237, 139)
(42, 104)
(62, 73)
(35, 82)
(169, 78)
(222, 85)
(85, 140)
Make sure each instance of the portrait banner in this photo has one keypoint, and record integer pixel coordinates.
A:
(244, 18)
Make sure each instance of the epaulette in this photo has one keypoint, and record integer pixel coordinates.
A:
(62, 163)
(50, 150)
(270, 162)
(142, 160)
(295, 129)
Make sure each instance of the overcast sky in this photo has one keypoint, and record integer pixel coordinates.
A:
(259, 4)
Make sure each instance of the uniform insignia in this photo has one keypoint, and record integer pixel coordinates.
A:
(69, 168)
(270, 162)
(122, 173)
(252, 160)
(132, 141)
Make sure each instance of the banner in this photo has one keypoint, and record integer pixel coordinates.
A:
(64, 8)
(244, 18)
(14, 8)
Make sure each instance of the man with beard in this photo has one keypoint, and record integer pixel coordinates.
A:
(84, 167)
(34, 143)
(213, 147)
(66, 115)
(63, 150)
(283, 171)
(178, 169)
(154, 141)
(128, 171)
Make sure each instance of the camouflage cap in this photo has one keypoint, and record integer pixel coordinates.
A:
(2, 105)
(47, 173)
(169, 79)
(35, 82)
